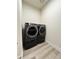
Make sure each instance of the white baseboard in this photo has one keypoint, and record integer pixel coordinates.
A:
(54, 46)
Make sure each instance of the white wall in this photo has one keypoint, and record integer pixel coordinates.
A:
(19, 29)
(30, 14)
(51, 17)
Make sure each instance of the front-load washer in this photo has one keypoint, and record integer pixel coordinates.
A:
(30, 33)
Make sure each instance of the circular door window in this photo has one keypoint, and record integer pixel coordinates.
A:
(42, 30)
(32, 31)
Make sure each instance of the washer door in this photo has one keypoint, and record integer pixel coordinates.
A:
(32, 31)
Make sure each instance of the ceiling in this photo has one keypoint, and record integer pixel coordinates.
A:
(36, 3)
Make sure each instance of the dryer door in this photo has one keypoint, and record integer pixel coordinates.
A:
(42, 30)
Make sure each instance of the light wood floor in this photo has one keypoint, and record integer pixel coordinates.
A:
(41, 51)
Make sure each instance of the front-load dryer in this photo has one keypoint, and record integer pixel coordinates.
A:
(41, 33)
